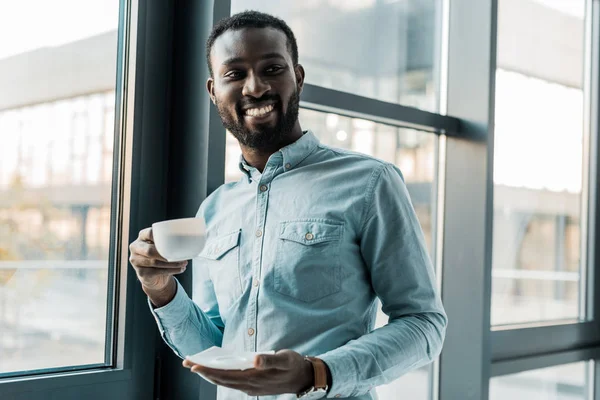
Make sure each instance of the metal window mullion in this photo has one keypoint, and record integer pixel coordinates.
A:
(593, 108)
(53, 383)
(507, 344)
(468, 201)
(323, 99)
(534, 362)
(125, 80)
(588, 296)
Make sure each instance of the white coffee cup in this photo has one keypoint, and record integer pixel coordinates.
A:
(179, 239)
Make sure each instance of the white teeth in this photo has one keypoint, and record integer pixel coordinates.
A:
(258, 112)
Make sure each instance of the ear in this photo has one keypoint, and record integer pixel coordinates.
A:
(299, 71)
(210, 87)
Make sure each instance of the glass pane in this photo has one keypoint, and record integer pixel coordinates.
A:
(57, 74)
(387, 50)
(414, 153)
(564, 382)
(538, 169)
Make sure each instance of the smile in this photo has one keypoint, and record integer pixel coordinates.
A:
(259, 112)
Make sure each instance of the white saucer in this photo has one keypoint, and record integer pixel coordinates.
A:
(219, 358)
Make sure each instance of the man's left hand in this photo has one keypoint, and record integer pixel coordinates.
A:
(284, 372)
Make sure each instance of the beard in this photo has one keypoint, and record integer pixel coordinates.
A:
(267, 138)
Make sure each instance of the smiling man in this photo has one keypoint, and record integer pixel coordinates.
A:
(300, 250)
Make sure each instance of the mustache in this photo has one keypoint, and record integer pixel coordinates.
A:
(249, 101)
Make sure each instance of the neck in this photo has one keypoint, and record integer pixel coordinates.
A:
(258, 158)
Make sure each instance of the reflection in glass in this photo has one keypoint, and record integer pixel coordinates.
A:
(57, 133)
(387, 50)
(538, 162)
(414, 153)
(563, 382)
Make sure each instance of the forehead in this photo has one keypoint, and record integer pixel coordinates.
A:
(249, 44)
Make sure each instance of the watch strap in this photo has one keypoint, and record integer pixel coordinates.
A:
(320, 371)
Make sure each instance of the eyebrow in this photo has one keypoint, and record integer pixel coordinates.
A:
(267, 56)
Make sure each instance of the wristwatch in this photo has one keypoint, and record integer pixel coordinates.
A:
(319, 388)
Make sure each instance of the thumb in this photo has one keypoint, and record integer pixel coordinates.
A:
(271, 361)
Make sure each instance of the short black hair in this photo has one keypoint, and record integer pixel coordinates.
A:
(251, 19)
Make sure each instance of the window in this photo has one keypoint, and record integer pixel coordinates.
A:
(542, 278)
(563, 382)
(540, 193)
(387, 50)
(57, 108)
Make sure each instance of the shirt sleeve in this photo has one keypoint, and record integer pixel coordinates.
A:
(187, 327)
(394, 250)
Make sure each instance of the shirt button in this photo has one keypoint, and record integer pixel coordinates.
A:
(309, 236)
(258, 233)
(288, 166)
(263, 188)
(250, 331)
(256, 282)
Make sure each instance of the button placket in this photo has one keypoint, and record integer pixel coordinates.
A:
(261, 212)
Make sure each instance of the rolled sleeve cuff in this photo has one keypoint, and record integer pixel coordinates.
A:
(174, 313)
(343, 374)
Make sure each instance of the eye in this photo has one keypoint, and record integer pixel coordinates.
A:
(274, 69)
(233, 74)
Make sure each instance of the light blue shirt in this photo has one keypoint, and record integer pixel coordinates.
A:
(297, 258)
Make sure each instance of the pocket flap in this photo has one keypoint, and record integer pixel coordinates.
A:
(217, 247)
(311, 232)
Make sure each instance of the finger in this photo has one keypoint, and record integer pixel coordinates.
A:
(147, 250)
(233, 374)
(226, 376)
(144, 271)
(138, 260)
(146, 235)
(280, 360)
(164, 271)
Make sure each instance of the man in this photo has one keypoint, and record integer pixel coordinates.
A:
(300, 249)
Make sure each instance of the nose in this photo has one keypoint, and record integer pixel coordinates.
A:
(255, 87)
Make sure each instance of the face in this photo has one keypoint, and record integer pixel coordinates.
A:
(256, 87)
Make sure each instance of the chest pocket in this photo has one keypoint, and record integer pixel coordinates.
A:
(307, 265)
(221, 255)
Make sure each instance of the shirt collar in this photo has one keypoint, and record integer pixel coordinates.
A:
(292, 155)
(295, 153)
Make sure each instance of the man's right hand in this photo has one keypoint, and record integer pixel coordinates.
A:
(154, 271)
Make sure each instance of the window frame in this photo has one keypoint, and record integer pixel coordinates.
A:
(130, 362)
(517, 348)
